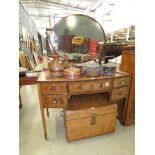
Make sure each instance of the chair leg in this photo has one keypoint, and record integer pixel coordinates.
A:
(47, 112)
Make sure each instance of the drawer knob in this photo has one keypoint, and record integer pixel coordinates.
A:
(107, 84)
(54, 101)
(120, 92)
(53, 87)
(103, 85)
(122, 82)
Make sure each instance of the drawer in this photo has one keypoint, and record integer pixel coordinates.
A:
(90, 86)
(53, 87)
(121, 82)
(119, 93)
(54, 101)
(102, 85)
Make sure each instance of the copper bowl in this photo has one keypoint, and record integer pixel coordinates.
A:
(72, 73)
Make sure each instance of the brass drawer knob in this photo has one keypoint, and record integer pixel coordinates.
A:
(53, 86)
(103, 85)
(107, 84)
(93, 119)
(122, 82)
(54, 101)
(120, 92)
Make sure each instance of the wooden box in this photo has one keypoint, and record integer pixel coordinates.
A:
(89, 115)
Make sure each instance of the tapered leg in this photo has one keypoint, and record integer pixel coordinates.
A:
(44, 122)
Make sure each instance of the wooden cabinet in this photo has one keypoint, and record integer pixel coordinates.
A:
(128, 65)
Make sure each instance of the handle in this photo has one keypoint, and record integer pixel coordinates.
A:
(62, 113)
(102, 85)
(105, 84)
(54, 100)
(93, 119)
(53, 87)
(120, 92)
(122, 82)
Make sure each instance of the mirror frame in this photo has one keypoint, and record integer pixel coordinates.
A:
(102, 53)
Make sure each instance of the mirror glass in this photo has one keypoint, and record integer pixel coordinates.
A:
(78, 37)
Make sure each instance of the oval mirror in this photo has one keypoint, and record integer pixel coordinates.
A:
(79, 37)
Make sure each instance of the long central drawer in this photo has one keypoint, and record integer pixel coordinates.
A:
(100, 85)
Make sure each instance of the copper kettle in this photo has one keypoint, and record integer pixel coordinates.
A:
(57, 63)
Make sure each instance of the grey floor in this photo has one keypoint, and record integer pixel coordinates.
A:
(31, 139)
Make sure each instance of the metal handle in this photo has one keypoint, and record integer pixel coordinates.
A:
(120, 92)
(106, 84)
(103, 85)
(53, 87)
(122, 82)
(62, 113)
(54, 100)
(93, 119)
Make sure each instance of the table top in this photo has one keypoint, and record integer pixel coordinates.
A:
(45, 77)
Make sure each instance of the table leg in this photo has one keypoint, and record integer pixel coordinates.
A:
(44, 122)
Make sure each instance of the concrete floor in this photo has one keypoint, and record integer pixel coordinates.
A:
(32, 142)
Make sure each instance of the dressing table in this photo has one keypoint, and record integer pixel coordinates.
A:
(56, 92)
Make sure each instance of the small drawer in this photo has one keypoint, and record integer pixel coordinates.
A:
(121, 82)
(53, 87)
(119, 93)
(54, 101)
(102, 85)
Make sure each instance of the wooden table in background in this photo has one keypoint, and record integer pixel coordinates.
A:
(26, 81)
